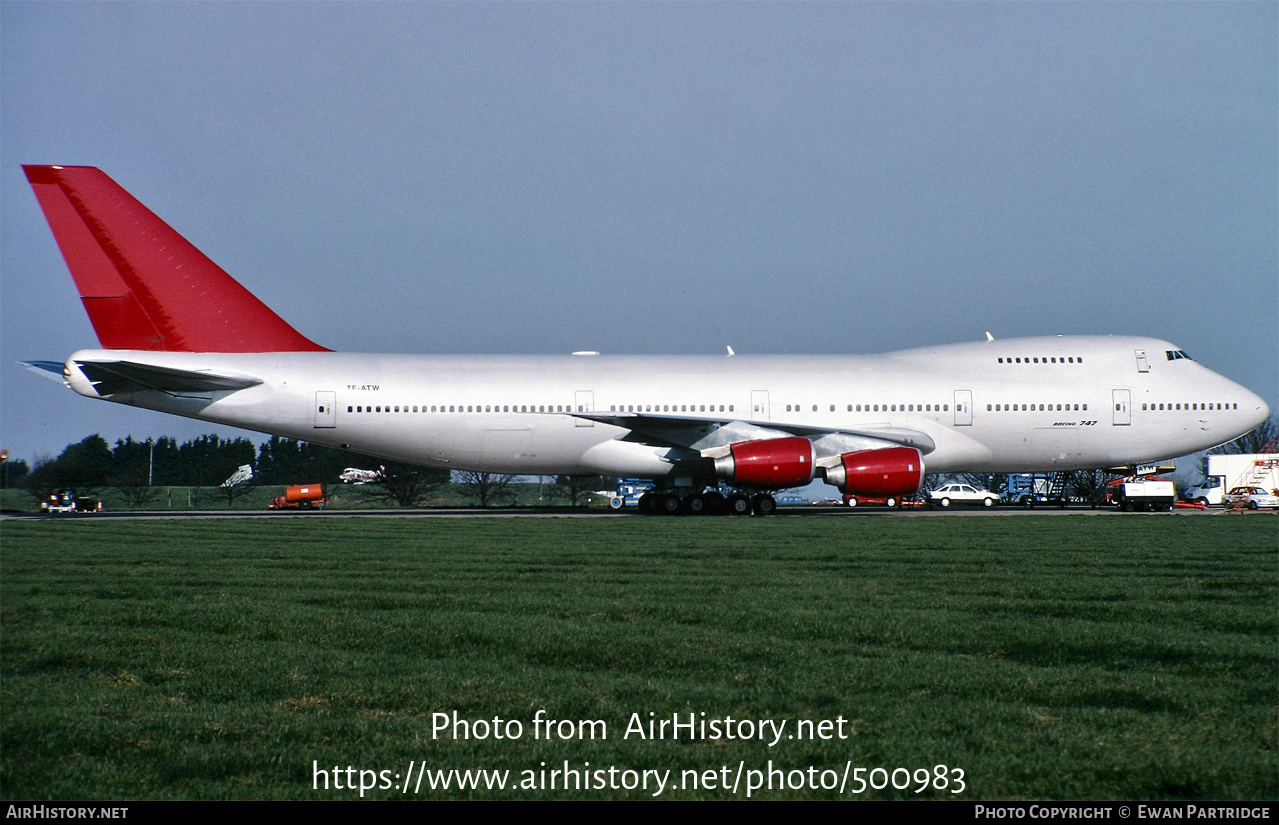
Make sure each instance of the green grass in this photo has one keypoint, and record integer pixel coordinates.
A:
(1048, 658)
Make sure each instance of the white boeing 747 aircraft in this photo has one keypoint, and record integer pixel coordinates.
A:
(181, 336)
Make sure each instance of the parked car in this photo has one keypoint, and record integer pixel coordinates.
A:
(1252, 497)
(962, 494)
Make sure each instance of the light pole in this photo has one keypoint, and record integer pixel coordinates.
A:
(151, 462)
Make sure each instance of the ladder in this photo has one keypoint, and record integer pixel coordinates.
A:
(1057, 489)
(1251, 477)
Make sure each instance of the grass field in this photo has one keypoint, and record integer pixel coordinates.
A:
(1047, 658)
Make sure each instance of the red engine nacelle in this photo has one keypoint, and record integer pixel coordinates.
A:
(892, 471)
(771, 464)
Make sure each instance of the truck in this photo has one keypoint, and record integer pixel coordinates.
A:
(1143, 493)
(66, 501)
(302, 496)
(1225, 472)
(628, 492)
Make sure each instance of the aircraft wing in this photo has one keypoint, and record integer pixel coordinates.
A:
(111, 377)
(688, 431)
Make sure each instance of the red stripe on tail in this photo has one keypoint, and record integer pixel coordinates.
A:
(145, 286)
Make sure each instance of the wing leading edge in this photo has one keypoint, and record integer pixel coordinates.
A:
(699, 433)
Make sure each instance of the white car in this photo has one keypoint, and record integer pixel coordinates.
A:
(962, 494)
(1252, 498)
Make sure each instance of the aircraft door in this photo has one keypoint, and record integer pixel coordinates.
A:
(1123, 408)
(1142, 364)
(326, 409)
(963, 408)
(584, 401)
(759, 405)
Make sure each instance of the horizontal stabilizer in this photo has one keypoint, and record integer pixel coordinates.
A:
(46, 369)
(111, 377)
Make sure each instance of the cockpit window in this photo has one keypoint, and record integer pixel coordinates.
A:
(1176, 354)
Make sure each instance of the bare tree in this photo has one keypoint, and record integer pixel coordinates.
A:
(407, 485)
(577, 489)
(483, 487)
(1087, 485)
(138, 494)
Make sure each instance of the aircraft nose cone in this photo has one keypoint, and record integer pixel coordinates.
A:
(1261, 410)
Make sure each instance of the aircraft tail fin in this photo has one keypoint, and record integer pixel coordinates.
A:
(144, 286)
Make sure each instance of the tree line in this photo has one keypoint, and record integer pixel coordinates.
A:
(139, 469)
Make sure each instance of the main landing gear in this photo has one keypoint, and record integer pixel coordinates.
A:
(707, 504)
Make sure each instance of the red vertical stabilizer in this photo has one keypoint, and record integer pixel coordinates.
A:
(144, 286)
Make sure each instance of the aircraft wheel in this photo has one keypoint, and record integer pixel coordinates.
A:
(716, 504)
(693, 505)
(668, 504)
(764, 505)
(739, 505)
(648, 504)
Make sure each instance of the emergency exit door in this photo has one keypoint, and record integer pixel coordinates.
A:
(1123, 407)
(326, 413)
(963, 408)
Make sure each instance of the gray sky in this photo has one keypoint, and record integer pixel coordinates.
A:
(659, 178)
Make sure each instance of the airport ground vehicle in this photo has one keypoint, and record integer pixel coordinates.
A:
(628, 493)
(1226, 471)
(1143, 493)
(303, 496)
(66, 501)
(952, 494)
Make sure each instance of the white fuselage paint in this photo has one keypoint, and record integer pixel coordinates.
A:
(1058, 413)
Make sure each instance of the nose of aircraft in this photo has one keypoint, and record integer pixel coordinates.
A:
(1256, 405)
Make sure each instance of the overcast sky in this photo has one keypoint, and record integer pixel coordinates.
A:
(658, 178)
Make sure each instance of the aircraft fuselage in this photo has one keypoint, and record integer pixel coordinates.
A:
(1031, 404)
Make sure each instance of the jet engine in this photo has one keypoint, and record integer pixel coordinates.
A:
(892, 471)
(770, 464)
